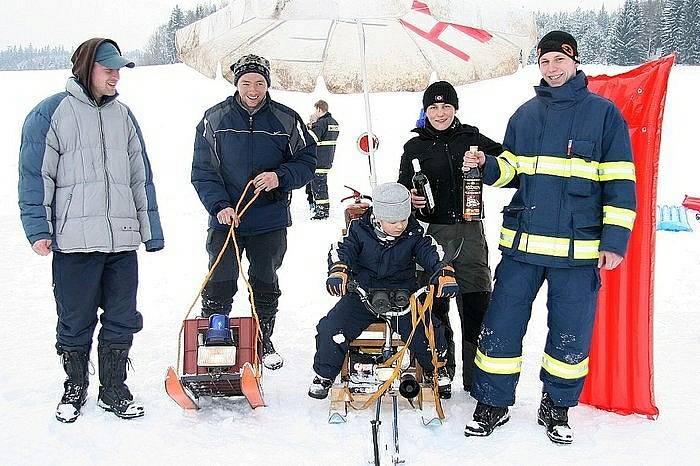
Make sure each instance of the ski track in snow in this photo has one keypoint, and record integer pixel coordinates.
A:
(168, 101)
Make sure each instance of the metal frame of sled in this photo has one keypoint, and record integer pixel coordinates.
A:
(196, 381)
(343, 393)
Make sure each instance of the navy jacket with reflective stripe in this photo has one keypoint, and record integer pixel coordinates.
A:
(560, 126)
(326, 131)
(232, 146)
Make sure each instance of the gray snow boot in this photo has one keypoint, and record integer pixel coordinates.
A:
(114, 395)
(75, 363)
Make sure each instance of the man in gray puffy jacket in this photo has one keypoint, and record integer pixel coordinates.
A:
(86, 193)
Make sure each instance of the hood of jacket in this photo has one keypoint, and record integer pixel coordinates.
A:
(83, 60)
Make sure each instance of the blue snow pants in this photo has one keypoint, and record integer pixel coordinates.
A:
(84, 282)
(571, 304)
(347, 320)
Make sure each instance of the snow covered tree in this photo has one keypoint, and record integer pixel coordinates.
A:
(690, 53)
(671, 30)
(627, 47)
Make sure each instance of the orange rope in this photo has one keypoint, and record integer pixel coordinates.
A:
(231, 236)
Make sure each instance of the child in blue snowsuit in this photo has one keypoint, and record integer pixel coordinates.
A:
(380, 250)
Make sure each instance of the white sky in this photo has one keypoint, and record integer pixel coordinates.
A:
(131, 22)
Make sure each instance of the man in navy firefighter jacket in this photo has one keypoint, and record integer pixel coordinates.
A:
(247, 137)
(567, 151)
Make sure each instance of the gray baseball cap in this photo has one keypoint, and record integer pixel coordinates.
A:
(108, 56)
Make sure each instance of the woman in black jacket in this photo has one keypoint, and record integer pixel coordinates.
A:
(440, 146)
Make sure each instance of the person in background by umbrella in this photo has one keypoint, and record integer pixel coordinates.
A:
(325, 130)
(439, 146)
(568, 153)
(247, 137)
(86, 193)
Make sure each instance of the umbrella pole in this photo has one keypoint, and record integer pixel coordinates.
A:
(368, 114)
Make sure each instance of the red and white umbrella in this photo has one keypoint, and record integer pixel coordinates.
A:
(363, 45)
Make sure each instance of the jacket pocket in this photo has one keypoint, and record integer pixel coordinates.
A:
(580, 182)
(588, 225)
(64, 216)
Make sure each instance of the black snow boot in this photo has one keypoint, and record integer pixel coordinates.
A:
(319, 387)
(321, 212)
(556, 420)
(75, 363)
(486, 419)
(271, 359)
(444, 383)
(114, 395)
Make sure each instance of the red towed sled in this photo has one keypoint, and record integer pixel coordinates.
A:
(217, 371)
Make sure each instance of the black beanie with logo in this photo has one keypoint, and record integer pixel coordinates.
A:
(558, 41)
(440, 92)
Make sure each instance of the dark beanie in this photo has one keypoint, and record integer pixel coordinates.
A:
(440, 92)
(558, 41)
(251, 64)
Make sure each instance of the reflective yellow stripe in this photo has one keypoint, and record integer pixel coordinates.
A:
(563, 370)
(553, 166)
(550, 245)
(507, 237)
(313, 135)
(582, 169)
(507, 173)
(498, 365)
(546, 245)
(326, 143)
(586, 249)
(322, 171)
(333, 127)
(322, 201)
(511, 158)
(610, 171)
(618, 216)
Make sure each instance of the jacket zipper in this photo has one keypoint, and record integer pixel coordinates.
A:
(65, 211)
(104, 165)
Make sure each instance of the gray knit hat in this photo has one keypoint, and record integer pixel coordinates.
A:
(391, 202)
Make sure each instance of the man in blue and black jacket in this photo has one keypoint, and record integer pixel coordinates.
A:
(247, 137)
(568, 153)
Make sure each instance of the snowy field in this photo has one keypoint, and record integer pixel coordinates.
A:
(168, 101)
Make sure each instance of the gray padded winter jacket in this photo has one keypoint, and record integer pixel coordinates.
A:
(84, 177)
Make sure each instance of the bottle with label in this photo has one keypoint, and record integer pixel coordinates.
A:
(472, 187)
(422, 185)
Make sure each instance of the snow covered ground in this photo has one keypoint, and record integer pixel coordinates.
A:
(169, 101)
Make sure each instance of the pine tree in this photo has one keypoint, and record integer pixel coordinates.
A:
(651, 12)
(671, 21)
(627, 47)
(177, 20)
(691, 33)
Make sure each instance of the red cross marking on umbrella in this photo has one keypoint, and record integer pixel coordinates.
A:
(431, 29)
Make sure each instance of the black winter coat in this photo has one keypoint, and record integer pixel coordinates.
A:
(440, 154)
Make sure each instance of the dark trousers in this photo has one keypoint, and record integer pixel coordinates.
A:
(84, 282)
(317, 189)
(264, 252)
(346, 321)
(471, 308)
(571, 304)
